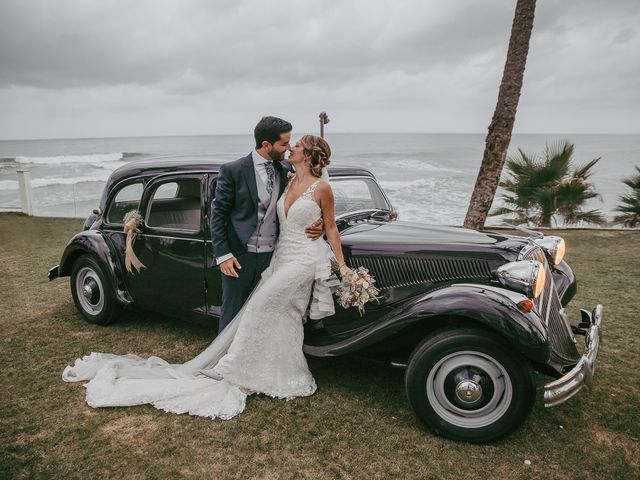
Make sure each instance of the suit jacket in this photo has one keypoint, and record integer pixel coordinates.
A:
(234, 209)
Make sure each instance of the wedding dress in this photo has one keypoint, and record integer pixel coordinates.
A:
(260, 351)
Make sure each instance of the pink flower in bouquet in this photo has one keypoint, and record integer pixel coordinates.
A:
(357, 289)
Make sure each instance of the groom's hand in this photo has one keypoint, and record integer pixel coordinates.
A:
(227, 267)
(314, 231)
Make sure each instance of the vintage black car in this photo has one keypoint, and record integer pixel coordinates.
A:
(469, 314)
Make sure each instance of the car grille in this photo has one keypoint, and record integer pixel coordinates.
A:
(394, 272)
(548, 306)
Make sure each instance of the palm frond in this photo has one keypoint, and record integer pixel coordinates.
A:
(558, 157)
(540, 190)
(590, 216)
(634, 181)
(502, 211)
(627, 220)
(584, 172)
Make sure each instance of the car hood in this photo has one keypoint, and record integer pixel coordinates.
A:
(410, 237)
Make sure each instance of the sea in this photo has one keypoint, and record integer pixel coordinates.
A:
(428, 177)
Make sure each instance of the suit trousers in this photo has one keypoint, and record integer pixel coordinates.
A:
(235, 291)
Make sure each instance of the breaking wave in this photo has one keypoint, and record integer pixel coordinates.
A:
(60, 159)
(49, 181)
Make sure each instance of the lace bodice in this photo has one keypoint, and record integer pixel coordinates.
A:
(302, 212)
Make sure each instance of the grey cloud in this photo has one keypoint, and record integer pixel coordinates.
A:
(625, 35)
(83, 43)
(435, 64)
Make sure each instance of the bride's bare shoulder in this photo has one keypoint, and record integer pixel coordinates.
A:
(324, 189)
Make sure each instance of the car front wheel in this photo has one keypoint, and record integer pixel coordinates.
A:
(92, 292)
(469, 385)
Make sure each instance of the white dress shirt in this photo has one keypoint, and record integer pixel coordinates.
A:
(258, 166)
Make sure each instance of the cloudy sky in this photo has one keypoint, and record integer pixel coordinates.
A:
(80, 68)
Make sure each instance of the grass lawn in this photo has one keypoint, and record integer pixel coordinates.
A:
(357, 425)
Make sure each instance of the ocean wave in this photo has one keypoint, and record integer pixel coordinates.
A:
(425, 185)
(403, 184)
(47, 182)
(403, 161)
(433, 213)
(52, 181)
(111, 166)
(93, 158)
(7, 162)
(9, 185)
(421, 165)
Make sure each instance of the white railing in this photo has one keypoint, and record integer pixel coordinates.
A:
(26, 197)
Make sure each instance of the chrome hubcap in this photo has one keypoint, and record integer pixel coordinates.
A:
(469, 389)
(89, 291)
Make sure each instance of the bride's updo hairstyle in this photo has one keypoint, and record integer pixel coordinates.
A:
(318, 151)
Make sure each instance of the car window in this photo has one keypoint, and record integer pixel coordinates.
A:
(175, 205)
(353, 194)
(126, 199)
(166, 190)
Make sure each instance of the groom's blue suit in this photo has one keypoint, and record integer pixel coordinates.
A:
(234, 219)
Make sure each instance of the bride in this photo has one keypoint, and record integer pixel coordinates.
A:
(260, 351)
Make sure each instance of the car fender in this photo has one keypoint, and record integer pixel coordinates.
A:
(92, 242)
(494, 307)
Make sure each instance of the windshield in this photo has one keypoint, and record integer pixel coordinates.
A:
(353, 194)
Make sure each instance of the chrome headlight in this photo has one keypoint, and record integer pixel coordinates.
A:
(552, 246)
(526, 276)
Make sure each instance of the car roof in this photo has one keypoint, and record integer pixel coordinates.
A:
(200, 163)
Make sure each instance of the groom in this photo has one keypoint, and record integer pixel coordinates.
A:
(244, 222)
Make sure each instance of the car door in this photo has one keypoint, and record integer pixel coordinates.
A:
(213, 276)
(171, 245)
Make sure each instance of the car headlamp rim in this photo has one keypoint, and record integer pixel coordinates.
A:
(538, 286)
(560, 251)
(525, 276)
(553, 246)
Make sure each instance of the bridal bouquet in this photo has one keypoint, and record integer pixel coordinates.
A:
(132, 221)
(357, 289)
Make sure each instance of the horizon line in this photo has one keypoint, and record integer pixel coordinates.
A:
(299, 133)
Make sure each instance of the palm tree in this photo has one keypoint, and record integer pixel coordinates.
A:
(537, 190)
(499, 135)
(630, 206)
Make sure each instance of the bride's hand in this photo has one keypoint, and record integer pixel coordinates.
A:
(344, 270)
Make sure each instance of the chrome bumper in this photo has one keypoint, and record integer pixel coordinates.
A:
(562, 389)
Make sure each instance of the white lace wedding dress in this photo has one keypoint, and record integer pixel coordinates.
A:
(260, 351)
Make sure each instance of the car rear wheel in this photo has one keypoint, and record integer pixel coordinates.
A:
(91, 290)
(467, 384)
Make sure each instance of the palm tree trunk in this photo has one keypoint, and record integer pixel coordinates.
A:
(545, 219)
(499, 136)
